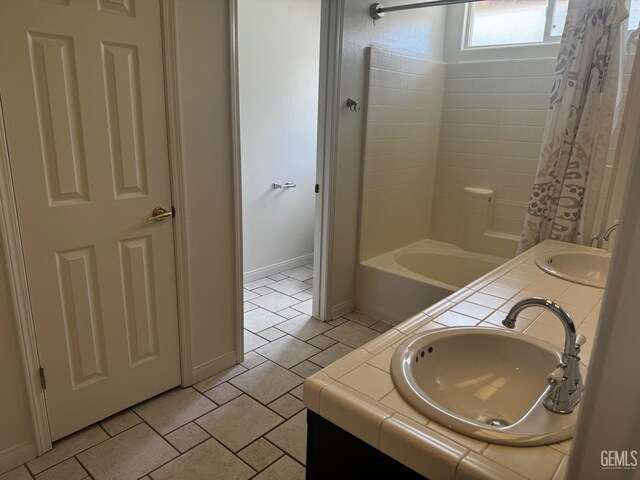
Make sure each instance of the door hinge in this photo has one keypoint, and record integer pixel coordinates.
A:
(317, 188)
(43, 379)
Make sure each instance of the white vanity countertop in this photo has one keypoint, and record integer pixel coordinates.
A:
(357, 394)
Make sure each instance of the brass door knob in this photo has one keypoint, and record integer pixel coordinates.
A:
(159, 214)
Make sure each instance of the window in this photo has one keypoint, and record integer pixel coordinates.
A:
(509, 22)
(634, 14)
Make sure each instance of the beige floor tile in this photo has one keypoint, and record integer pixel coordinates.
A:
(331, 354)
(172, 409)
(322, 342)
(299, 273)
(260, 454)
(261, 282)
(305, 369)
(19, 473)
(352, 334)
(303, 296)
(223, 393)
(289, 286)
(187, 437)
(261, 319)
(297, 392)
(252, 359)
(304, 307)
(287, 351)
(217, 379)
(68, 470)
(288, 313)
(252, 341)
(68, 447)
(248, 306)
(262, 290)
(275, 301)
(208, 461)
(130, 455)
(248, 295)
(266, 382)
(337, 321)
(120, 422)
(239, 422)
(276, 277)
(304, 327)
(291, 436)
(381, 327)
(284, 469)
(271, 334)
(361, 318)
(286, 406)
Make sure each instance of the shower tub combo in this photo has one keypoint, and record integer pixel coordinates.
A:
(398, 284)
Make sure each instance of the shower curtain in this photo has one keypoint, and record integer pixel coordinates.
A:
(567, 184)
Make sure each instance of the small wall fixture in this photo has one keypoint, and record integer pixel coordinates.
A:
(353, 105)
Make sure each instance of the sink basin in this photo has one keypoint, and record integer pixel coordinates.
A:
(481, 382)
(577, 267)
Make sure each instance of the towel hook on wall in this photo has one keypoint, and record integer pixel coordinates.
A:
(353, 105)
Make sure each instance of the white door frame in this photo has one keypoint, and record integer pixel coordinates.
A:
(328, 111)
(327, 143)
(13, 251)
(237, 176)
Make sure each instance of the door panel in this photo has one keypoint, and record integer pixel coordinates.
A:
(81, 84)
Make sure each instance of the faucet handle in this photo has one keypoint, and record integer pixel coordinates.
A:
(580, 340)
(555, 377)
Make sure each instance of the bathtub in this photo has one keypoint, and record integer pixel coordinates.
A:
(398, 284)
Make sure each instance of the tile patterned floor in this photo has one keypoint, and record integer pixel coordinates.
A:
(246, 422)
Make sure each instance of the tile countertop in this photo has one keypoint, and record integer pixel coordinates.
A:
(357, 394)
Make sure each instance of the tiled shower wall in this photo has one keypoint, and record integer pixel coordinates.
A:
(493, 121)
(493, 115)
(403, 127)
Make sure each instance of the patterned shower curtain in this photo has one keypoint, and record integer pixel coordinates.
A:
(567, 185)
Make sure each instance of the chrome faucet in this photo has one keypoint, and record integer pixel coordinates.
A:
(565, 381)
(604, 237)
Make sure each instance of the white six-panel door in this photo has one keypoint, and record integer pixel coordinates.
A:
(81, 86)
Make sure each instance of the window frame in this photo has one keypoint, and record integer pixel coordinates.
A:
(548, 39)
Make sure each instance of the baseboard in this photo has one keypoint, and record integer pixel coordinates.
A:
(342, 308)
(17, 455)
(213, 366)
(277, 267)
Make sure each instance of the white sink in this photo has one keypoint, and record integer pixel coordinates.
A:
(577, 267)
(485, 383)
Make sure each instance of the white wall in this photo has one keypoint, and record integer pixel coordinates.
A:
(420, 32)
(404, 108)
(207, 150)
(611, 406)
(279, 55)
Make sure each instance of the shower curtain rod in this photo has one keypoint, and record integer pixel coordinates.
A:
(377, 10)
